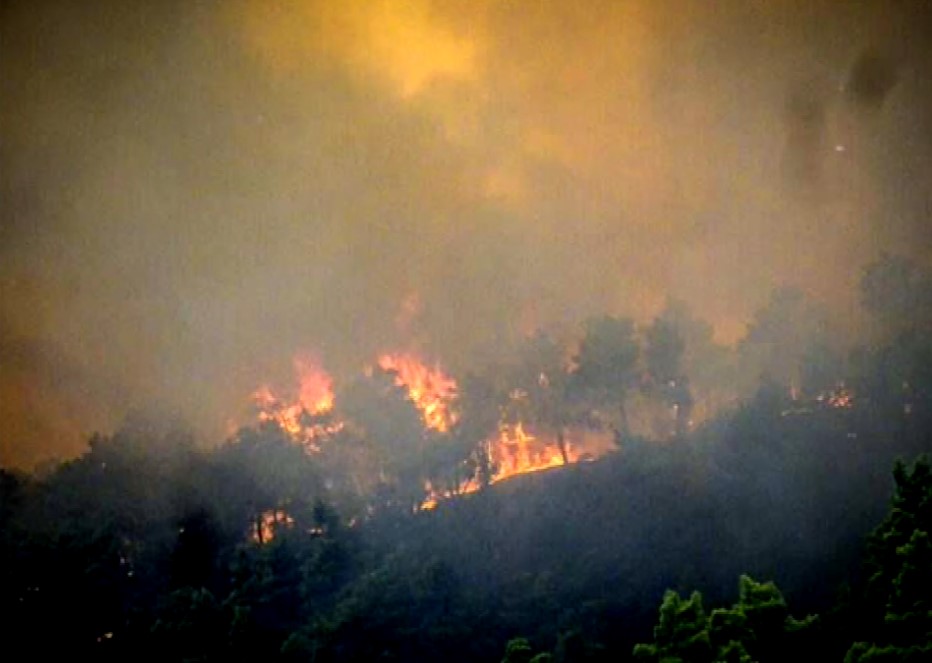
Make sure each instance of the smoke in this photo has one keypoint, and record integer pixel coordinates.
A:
(192, 192)
(872, 78)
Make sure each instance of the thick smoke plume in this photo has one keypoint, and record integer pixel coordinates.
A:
(193, 192)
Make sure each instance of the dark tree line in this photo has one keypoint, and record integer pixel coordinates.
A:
(261, 548)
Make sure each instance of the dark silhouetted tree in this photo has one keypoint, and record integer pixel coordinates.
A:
(606, 365)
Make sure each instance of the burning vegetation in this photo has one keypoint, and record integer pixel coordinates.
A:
(337, 504)
(521, 440)
(405, 431)
(417, 327)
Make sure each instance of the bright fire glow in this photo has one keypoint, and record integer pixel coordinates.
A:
(314, 396)
(268, 522)
(430, 389)
(516, 451)
(840, 397)
(517, 448)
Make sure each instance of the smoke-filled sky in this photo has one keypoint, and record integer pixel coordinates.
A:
(191, 192)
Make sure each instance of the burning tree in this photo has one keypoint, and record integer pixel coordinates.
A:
(410, 434)
(543, 392)
(383, 414)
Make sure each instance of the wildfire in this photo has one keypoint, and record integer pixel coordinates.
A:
(840, 397)
(516, 451)
(430, 388)
(314, 396)
(264, 529)
(517, 447)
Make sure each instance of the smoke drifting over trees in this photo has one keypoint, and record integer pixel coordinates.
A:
(418, 331)
(194, 192)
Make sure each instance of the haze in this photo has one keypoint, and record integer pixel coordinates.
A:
(194, 192)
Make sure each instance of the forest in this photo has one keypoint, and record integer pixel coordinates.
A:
(764, 501)
(477, 331)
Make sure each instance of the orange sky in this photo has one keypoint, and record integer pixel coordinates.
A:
(198, 191)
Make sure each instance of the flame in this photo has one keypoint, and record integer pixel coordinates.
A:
(517, 447)
(516, 451)
(316, 390)
(263, 530)
(841, 397)
(314, 396)
(430, 388)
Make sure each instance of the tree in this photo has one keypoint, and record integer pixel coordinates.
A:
(898, 596)
(383, 414)
(263, 480)
(757, 628)
(606, 364)
(681, 634)
(781, 335)
(545, 392)
(479, 412)
(664, 355)
(518, 650)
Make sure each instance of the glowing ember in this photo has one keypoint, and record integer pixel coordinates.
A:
(263, 530)
(430, 389)
(840, 397)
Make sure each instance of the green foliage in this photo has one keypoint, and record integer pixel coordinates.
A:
(761, 623)
(149, 544)
(899, 590)
(518, 650)
(758, 627)
(681, 634)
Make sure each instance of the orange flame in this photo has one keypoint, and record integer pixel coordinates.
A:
(315, 396)
(316, 390)
(268, 522)
(431, 389)
(840, 397)
(518, 452)
(516, 449)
